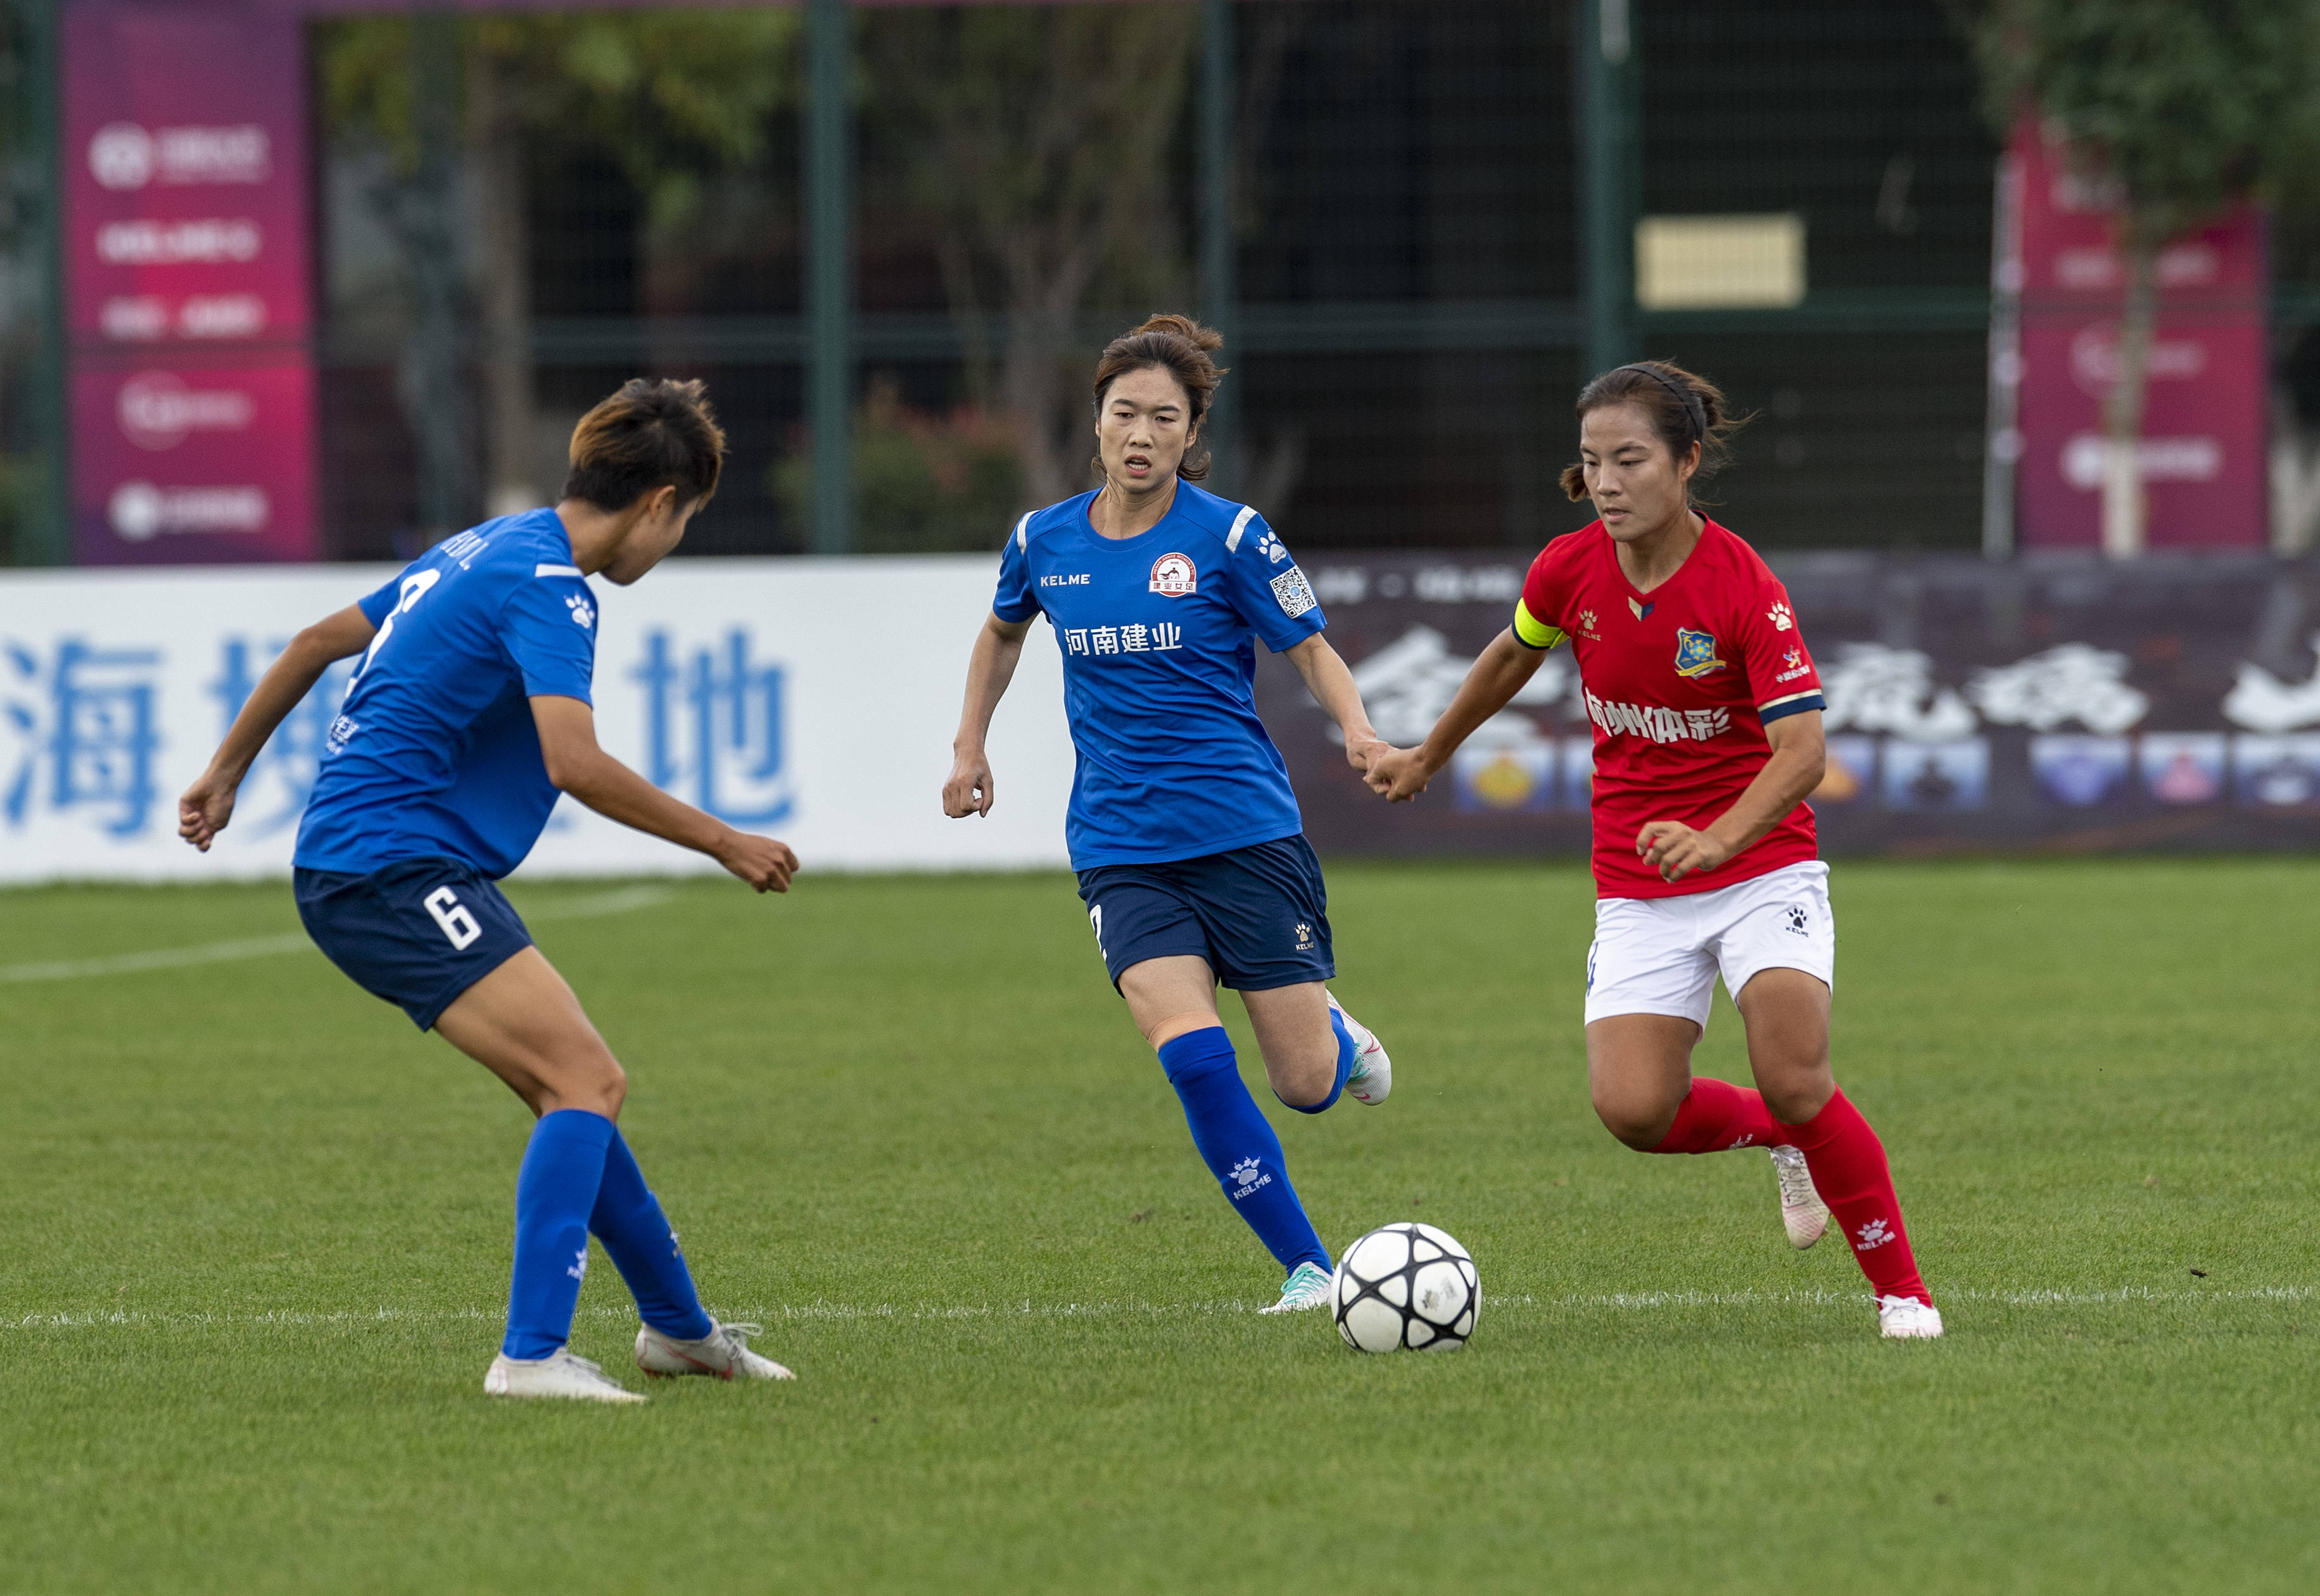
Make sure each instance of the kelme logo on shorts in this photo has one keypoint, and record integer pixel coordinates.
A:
(1174, 575)
(1695, 653)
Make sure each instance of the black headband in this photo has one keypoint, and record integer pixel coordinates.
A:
(1694, 412)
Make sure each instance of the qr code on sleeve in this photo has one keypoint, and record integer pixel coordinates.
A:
(1293, 592)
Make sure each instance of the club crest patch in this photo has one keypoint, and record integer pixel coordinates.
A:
(1174, 575)
(1695, 653)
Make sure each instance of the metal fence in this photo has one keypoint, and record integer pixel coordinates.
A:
(1385, 202)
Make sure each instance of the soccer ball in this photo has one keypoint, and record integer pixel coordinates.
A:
(1405, 1285)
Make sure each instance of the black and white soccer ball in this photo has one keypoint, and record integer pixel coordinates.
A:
(1405, 1285)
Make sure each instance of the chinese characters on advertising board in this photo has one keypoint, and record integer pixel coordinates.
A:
(773, 694)
(2170, 703)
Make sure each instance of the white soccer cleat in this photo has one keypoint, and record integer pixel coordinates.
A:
(1373, 1072)
(560, 1373)
(1308, 1286)
(722, 1353)
(1802, 1212)
(1905, 1318)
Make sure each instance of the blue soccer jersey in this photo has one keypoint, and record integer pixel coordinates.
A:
(1157, 633)
(434, 753)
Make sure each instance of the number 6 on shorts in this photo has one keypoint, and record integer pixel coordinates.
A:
(459, 927)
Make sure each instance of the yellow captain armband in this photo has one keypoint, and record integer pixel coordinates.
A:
(1532, 632)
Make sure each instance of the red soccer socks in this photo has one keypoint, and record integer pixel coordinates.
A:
(1848, 1169)
(1716, 1114)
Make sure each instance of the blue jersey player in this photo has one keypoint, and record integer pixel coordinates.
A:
(468, 712)
(1190, 853)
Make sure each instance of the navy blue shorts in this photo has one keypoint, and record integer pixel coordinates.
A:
(1259, 915)
(418, 933)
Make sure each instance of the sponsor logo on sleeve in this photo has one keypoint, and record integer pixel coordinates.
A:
(1174, 576)
(1793, 664)
(1695, 653)
(1292, 593)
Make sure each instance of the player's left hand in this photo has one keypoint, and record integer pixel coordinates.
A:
(1675, 850)
(205, 808)
(1396, 775)
(1362, 752)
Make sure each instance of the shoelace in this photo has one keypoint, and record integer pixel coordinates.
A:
(739, 1331)
(1797, 1189)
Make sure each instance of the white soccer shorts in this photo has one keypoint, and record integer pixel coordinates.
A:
(1662, 955)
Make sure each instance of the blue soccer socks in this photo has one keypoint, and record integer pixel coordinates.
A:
(557, 1188)
(627, 1221)
(1347, 1050)
(1239, 1145)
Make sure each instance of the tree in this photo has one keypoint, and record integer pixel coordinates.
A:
(2182, 109)
(667, 96)
(1042, 143)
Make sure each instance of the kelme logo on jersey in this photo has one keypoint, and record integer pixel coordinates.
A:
(583, 612)
(1695, 653)
(1174, 575)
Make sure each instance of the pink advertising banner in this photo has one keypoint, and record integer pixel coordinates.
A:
(188, 284)
(2203, 449)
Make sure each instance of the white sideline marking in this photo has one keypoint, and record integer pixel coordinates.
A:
(1517, 1304)
(620, 902)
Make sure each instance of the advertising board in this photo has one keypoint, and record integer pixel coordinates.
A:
(2202, 454)
(188, 286)
(2058, 703)
(810, 700)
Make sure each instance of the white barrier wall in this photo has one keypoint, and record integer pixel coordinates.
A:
(810, 700)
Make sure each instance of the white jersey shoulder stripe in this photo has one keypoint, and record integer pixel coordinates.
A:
(554, 570)
(1240, 524)
(1023, 535)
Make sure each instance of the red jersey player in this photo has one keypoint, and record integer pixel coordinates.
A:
(1707, 737)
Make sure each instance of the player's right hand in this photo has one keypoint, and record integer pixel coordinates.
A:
(204, 810)
(969, 790)
(762, 862)
(1398, 775)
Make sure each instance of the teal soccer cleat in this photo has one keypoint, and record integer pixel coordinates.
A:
(1308, 1286)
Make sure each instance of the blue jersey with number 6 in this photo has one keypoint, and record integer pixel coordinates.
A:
(1158, 635)
(434, 754)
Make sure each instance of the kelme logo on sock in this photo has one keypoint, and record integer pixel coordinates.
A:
(1250, 1178)
(1874, 1234)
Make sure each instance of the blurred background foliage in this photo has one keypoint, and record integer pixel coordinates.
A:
(925, 481)
(599, 192)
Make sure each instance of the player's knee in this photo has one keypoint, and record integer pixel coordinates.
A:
(598, 1085)
(1638, 1121)
(1793, 1102)
(1302, 1088)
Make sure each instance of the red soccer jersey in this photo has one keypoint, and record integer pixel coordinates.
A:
(1679, 682)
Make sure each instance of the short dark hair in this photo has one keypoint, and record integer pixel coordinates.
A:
(654, 433)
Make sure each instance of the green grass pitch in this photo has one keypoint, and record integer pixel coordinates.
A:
(256, 1229)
